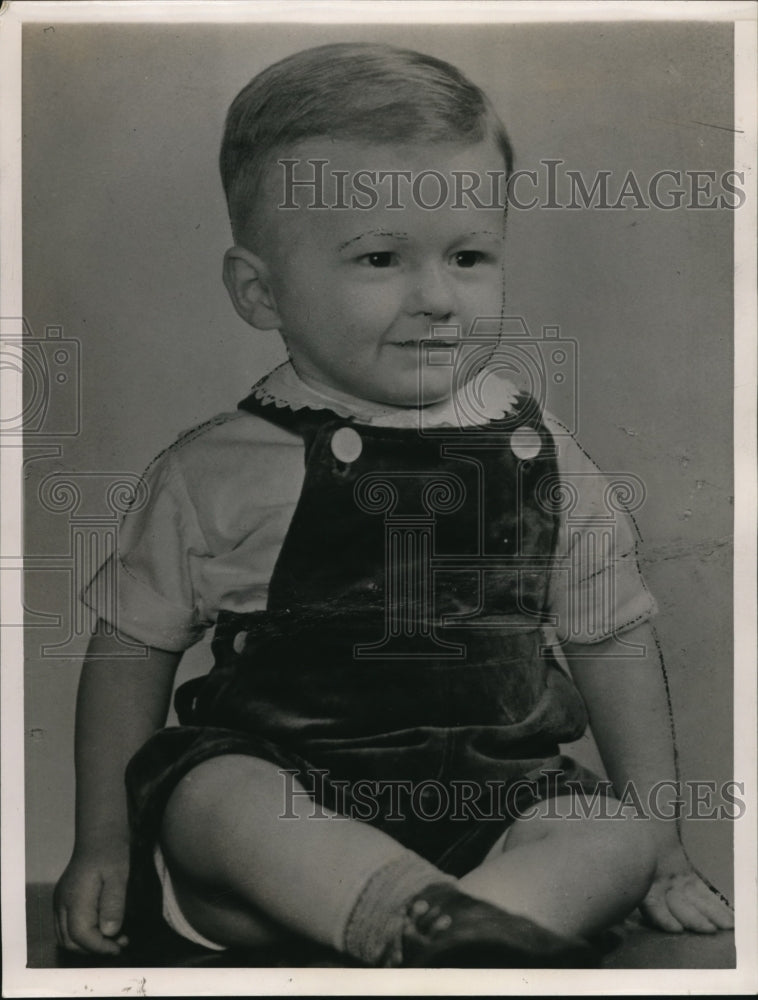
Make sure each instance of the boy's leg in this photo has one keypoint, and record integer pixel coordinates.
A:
(244, 875)
(233, 857)
(574, 876)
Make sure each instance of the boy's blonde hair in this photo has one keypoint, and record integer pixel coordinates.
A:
(349, 91)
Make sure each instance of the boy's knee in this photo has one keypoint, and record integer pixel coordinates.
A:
(223, 779)
(619, 842)
(203, 804)
(627, 845)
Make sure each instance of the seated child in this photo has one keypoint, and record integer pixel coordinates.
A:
(377, 536)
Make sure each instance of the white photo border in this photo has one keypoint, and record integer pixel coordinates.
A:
(20, 981)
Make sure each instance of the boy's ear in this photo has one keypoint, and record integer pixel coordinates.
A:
(247, 280)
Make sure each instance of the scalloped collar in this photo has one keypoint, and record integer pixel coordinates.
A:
(490, 396)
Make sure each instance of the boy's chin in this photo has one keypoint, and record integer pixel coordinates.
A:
(415, 399)
(427, 393)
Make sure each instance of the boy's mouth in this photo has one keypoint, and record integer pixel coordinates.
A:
(414, 344)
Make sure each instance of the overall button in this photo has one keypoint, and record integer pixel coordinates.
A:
(346, 444)
(240, 640)
(525, 443)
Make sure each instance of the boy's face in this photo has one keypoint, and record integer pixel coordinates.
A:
(357, 289)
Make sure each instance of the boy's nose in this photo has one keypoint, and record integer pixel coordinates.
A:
(431, 294)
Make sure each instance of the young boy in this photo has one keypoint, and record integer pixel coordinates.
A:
(373, 763)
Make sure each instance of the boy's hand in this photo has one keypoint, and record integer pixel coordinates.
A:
(89, 901)
(679, 900)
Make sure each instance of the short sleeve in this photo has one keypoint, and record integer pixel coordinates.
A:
(145, 589)
(596, 587)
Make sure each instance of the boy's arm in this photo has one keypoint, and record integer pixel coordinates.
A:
(629, 716)
(120, 703)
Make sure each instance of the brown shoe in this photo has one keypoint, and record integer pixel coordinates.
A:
(446, 928)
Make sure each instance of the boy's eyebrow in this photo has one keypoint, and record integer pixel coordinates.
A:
(372, 232)
(485, 232)
(404, 236)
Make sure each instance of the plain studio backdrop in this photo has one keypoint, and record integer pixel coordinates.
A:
(125, 228)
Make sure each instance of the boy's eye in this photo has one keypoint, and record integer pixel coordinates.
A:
(383, 258)
(468, 258)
